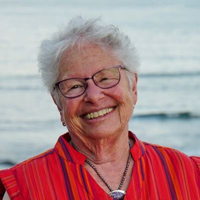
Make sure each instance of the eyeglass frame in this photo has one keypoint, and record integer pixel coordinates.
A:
(86, 85)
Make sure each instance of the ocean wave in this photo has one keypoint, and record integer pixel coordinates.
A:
(165, 115)
(7, 162)
(168, 74)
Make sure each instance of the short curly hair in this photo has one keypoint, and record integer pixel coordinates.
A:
(80, 31)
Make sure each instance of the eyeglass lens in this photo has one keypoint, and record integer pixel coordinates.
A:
(75, 87)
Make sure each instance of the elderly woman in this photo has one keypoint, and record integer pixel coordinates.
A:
(91, 72)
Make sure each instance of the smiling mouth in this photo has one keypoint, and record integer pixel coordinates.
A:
(99, 113)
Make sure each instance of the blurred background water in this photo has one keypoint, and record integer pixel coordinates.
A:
(166, 34)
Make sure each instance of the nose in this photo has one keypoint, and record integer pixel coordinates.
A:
(93, 93)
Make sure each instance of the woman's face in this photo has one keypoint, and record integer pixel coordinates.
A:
(117, 102)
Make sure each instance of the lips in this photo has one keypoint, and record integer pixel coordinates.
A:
(99, 113)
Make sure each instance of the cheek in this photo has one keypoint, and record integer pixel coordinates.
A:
(127, 104)
(69, 108)
(70, 116)
(125, 96)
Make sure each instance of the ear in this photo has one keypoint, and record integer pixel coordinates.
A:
(59, 107)
(134, 88)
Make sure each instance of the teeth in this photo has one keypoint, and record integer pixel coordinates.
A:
(98, 114)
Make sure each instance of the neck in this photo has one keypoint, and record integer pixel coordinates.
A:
(109, 157)
(103, 150)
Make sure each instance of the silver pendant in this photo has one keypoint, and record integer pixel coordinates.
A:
(117, 194)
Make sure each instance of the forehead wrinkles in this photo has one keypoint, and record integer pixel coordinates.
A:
(82, 58)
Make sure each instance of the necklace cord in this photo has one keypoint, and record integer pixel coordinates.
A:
(112, 192)
(101, 177)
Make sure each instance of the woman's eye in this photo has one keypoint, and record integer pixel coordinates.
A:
(104, 79)
(76, 87)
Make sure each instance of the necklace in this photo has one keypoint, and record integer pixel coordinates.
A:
(115, 194)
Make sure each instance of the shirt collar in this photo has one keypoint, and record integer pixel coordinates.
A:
(138, 150)
(67, 152)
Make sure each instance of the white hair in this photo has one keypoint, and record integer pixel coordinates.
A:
(80, 31)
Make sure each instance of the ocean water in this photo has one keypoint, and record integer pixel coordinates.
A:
(167, 37)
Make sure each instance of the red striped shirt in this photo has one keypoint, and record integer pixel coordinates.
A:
(159, 173)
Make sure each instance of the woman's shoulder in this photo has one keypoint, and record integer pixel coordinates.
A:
(164, 150)
(38, 158)
(172, 156)
(196, 161)
(10, 177)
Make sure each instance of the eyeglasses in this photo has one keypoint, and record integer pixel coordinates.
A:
(75, 87)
